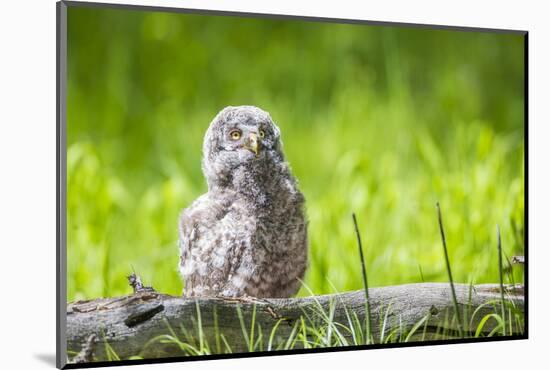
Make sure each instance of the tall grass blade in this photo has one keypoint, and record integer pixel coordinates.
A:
(272, 335)
(416, 326)
(227, 346)
(449, 274)
(502, 307)
(243, 326)
(217, 331)
(365, 283)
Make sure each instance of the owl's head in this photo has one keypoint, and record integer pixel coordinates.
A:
(243, 137)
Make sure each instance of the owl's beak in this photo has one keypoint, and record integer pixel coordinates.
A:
(252, 144)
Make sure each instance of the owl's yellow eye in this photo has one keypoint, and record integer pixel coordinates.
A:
(235, 135)
(262, 134)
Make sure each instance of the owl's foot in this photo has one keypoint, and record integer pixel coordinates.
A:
(265, 303)
(243, 299)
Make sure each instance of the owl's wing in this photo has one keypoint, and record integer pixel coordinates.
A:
(187, 235)
(189, 225)
(198, 229)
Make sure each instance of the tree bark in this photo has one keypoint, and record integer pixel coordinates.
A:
(133, 325)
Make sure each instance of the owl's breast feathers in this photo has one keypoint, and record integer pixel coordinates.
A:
(252, 243)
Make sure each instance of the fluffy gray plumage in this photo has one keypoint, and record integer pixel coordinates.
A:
(247, 236)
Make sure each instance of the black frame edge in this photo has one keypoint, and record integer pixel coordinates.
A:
(525, 178)
(61, 175)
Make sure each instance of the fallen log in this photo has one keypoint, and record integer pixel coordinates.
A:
(152, 325)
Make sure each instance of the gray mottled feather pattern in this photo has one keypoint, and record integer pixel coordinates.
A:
(248, 234)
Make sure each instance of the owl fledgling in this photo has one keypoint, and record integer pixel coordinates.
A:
(247, 236)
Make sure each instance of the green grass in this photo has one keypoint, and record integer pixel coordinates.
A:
(379, 121)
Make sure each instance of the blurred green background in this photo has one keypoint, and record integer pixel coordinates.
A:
(381, 121)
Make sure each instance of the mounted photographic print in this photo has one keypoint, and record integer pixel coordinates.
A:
(234, 184)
